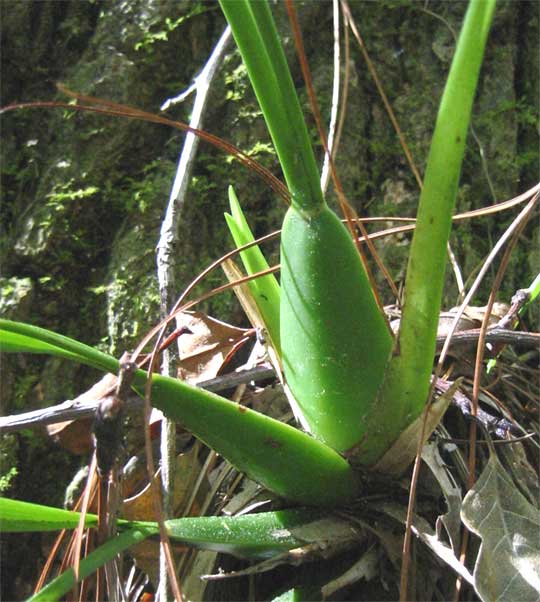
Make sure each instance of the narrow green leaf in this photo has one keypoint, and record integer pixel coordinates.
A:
(257, 38)
(262, 535)
(66, 581)
(409, 371)
(21, 337)
(17, 516)
(265, 290)
(18, 343)
(278, 456)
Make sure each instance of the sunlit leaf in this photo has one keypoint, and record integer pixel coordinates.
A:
(276, 455)
(508, 563)
(18, 516)
(252, 535)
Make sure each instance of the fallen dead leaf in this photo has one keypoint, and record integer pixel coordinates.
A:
(204, 353)
(76, 435)
(140, 506)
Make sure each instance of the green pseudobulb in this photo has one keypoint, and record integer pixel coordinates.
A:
(335, 343)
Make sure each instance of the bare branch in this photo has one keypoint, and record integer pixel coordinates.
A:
(167, 288)
(82, 407)
(73, 409)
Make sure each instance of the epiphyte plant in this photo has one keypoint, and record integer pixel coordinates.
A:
(336, 414)
(356, 386)
(336, 346)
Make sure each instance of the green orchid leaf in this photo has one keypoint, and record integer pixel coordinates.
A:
(17, 337)
(265, 290)
(276, 455)
(409, 372)
(334, 340)
(17, 516)
(261, 535)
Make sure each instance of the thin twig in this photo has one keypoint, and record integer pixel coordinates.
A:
(165, 268)
(519, 301)
(325, 174)
(180, 98)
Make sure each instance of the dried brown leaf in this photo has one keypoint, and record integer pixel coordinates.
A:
(508, 563)
(76, 435)
(397, 459)
(204, 353)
